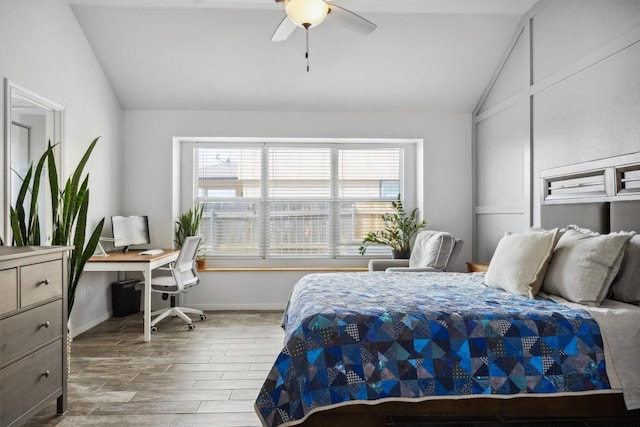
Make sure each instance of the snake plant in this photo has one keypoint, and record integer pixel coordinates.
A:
(69, 207)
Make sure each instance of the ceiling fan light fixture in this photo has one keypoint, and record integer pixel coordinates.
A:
(309, 12)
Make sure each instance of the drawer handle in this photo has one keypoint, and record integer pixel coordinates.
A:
(46, 324)
(44, 282)
(46, 374)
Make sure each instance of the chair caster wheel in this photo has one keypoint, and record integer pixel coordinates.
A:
(203, 317)
(191, 326)
(154, 329)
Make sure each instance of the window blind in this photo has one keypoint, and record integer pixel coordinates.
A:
(228, 184)
(270, 200)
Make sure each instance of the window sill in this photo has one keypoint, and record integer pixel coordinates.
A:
(273, 269)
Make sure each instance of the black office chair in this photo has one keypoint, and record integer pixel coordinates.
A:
(184, 275)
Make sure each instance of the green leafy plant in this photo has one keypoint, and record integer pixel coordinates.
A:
(26, 229)
(398, 230)
(188, 223)
(69, 208)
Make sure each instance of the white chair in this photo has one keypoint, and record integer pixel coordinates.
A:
(184, 275)
(432, 251)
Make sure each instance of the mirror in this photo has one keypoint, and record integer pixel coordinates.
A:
(31, 121)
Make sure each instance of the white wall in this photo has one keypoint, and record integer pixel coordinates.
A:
(131, 171)
(43, 48)
(149, 176)
(568, 92)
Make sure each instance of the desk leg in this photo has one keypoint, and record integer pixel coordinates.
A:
(147, 304)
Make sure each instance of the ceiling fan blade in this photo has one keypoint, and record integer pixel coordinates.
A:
(351, 20)
(284, 30)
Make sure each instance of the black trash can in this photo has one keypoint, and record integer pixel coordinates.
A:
(125, 299)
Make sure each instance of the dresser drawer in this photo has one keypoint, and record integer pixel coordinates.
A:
(8, 290)
(29, 329)
(39, 282)
(25, 384)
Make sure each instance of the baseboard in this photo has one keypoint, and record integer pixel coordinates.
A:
(77, 330)
(239, 307)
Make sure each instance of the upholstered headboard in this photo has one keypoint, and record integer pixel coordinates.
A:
(602, 217)
(594, 216)
(602, 195)
(625, 215)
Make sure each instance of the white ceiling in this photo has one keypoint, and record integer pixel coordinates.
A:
(426, 55)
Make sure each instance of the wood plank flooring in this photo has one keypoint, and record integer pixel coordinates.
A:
(206, 377)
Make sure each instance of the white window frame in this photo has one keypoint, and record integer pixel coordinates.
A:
(188, 197)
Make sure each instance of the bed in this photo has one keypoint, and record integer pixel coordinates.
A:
(360, 347)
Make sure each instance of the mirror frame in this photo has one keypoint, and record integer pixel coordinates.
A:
(12, 91)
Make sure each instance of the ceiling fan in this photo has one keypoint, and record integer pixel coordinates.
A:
(310, 13)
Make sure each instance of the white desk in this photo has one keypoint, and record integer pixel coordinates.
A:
(133, 261)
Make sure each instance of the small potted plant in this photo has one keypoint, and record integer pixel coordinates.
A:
(397, 232)
(201, 259)
(188, 224)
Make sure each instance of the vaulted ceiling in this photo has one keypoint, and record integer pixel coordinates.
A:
(425, 56)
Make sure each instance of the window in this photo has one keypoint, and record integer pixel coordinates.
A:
(275, 200)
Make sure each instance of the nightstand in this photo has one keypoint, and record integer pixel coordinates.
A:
(474, 267)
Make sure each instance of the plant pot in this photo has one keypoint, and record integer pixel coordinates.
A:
(201, 263)
(401, 254)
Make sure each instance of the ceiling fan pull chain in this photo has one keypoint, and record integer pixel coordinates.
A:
(306, 55)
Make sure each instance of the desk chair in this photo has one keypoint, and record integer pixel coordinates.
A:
(433, 251)
(184, 275)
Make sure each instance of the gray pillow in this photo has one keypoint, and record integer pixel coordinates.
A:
(626, 285)
(584, 264)
(520, 262)
(432, 249)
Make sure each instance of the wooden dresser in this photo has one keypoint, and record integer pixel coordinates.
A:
(33, 331)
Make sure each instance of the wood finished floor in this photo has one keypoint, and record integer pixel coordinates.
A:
(206, 377)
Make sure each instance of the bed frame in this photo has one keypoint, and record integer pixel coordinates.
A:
(586, 406)
(597, 216)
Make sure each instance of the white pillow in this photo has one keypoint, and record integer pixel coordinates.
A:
(584, 264)
(520, 262)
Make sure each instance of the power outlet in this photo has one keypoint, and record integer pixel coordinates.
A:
(89, 291)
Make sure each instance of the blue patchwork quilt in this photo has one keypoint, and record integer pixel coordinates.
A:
(368, 336)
